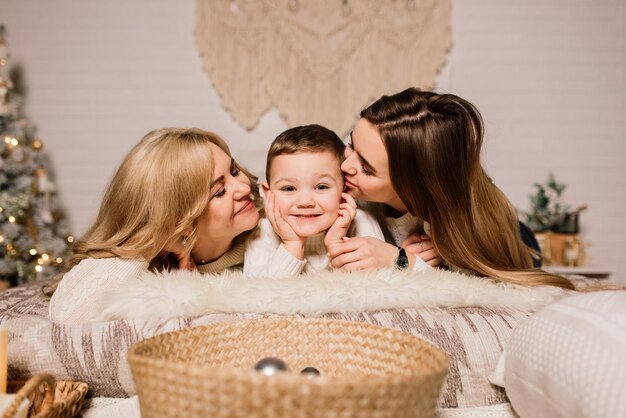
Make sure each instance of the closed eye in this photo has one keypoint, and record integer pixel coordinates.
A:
(365, 167)
(287, 189)
(234, 171)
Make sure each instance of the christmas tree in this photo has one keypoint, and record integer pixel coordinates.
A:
(34, 232)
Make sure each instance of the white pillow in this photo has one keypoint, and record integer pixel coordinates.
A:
(569, 359)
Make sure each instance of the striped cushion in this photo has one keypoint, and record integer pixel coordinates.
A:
(96, 352)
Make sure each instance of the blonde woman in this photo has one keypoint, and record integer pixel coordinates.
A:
(416, 154)
(178, 200)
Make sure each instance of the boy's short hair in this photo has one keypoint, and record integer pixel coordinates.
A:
(307, 138)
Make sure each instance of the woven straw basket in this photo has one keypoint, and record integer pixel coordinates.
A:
(49, 398)
(367, 371)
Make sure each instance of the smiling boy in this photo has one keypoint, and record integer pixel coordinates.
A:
(306, 208)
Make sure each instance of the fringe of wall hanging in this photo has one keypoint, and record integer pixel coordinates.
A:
(319, 61)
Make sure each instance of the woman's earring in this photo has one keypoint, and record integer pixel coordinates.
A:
(184, 240)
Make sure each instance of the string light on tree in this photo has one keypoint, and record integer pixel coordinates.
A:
(35, 232)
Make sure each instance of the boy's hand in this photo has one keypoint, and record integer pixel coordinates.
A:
(291, 241)
(339, 229)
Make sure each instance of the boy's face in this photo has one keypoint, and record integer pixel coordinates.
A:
(307, 187)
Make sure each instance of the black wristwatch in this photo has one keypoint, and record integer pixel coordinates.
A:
(402, 261)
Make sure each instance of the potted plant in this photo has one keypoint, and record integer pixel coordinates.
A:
(555, 224)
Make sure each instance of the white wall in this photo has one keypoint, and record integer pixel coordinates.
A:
(549, 78)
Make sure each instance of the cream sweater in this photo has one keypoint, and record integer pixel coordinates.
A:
(77, 298)
(266, 257)
(399, 229)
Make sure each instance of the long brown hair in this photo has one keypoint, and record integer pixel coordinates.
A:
(434, 142)
(156, 195)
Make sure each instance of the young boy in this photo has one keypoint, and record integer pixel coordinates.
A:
(306, 208)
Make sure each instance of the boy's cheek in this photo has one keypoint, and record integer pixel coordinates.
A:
(282, 203)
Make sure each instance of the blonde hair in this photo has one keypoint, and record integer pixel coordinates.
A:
(433, 143)
(155, 197)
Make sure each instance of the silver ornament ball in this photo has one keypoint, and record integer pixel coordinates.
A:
(310, 372)
(269, 366)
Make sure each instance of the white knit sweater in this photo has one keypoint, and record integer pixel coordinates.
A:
(266, 257)
(400, 228)
(77, 298)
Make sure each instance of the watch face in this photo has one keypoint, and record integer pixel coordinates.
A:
(402, 262)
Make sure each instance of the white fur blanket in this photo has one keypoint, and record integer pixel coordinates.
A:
(186, 294)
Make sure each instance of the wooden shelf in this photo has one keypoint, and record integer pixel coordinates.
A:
(591, 272)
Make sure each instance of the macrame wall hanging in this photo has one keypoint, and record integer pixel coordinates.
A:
(319, 61)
